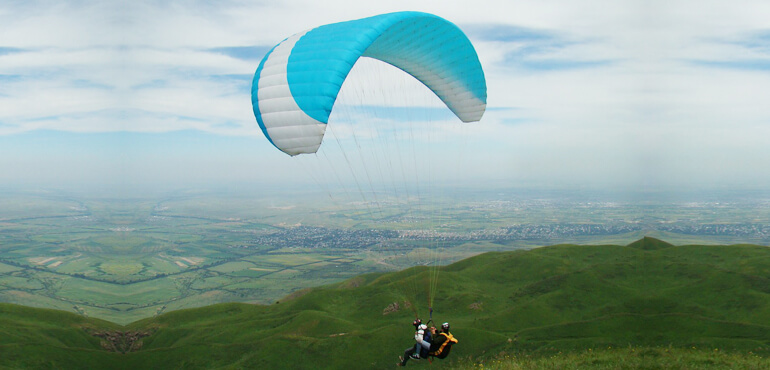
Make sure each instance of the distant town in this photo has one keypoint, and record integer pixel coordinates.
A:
(321, 237)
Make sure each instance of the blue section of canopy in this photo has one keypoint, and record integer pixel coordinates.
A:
(421, 44)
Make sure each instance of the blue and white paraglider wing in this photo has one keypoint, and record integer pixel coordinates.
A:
(297, 82)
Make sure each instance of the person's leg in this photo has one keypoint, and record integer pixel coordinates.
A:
(423, 348)
(409, 351)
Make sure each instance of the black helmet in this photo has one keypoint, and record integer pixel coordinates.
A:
(445, 326)
(416, 322)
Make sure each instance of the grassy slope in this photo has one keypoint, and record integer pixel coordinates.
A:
(42, 338)
(549, 299)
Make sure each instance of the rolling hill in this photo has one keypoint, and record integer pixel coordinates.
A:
(539, 302)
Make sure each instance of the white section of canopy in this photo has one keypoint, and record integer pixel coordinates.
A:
(289, 128)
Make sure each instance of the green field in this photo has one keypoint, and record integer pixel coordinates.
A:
(649, 304)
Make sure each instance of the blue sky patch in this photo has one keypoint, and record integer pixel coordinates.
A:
(759, 40)
(539, 48)
(154, 84)
(242, 82)
(757, 43)
(536, 49)
(86, 84)
(515, 121)
(748, 64)
(534, 57)
(5, 50)
(10, 78)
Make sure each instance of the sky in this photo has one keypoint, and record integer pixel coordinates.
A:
(581, 94)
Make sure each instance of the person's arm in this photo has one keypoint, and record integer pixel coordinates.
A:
(418, 336)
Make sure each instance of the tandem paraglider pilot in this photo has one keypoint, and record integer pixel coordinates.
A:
(429, 343)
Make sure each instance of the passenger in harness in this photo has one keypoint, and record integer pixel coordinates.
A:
(421, 349)
(442, 342)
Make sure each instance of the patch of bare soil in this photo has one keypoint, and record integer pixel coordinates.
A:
(121, 341)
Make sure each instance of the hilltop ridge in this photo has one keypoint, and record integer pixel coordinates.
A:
(649, 244)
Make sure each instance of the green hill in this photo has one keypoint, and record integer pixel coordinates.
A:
(539, 302)
(39, 338)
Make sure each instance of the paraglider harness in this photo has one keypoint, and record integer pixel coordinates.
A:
(443, 350)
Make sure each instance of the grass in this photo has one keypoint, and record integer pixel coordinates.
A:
(623, 358)
(44, 338)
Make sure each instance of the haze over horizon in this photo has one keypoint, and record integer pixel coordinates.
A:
(628, 95)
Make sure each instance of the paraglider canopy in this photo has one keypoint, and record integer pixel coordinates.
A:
(297, 82)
